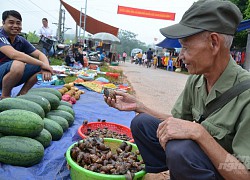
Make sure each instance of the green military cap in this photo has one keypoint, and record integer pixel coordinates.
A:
(206, 15)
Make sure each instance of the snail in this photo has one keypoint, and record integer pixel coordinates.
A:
(109, 93)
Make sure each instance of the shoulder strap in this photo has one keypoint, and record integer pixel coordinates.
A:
(225, 98)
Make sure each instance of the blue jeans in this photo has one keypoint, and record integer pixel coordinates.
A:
(184, 158)
(48, 53)
(29, 71)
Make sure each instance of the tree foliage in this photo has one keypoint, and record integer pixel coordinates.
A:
(240, 39)
(32, 37)
(129, 42)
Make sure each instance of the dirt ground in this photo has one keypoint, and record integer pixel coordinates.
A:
(156, 88)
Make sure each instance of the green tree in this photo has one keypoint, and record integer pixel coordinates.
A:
(129, 42)
(240, 39)
(32, 37)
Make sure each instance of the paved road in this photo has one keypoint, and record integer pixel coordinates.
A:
(156, 88)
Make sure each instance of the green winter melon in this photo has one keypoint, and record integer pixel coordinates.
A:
(49, 90)
(60, 120)
(67, 109)
(69, 117)
(44, 138)
(43, 102)
(53, 99)
(1, 135)
(16, 103)
(65, 103)
(54, 128)
(19, 122)
(20, 151)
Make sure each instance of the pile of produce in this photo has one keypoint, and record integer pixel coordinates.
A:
(103, 129)
(28, 124)
(94, 155)
(70, 93)
(106, 133)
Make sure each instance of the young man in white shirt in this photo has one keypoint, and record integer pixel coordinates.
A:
(47, 32)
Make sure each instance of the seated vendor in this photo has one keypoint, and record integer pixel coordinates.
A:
(70, 57)
(20, 62)
(103, 56)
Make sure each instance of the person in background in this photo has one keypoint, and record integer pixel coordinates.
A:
(70, 57)
(103, 56)
(124, 56)
(149, 57)
(183, 142)
(118, 57)
(139, 56)
(155, 59)
(46, 31)
(144, 58)
(78, 52)
(20, 62)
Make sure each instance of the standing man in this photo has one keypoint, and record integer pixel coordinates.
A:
(139, 55)
(47, 32)
(149, 57)
(189, 146)
(20, 62)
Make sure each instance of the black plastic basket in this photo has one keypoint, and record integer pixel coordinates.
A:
(46, 43)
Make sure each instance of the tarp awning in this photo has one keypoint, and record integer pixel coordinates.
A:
(169, 43)
(93, 26)
(244, 25)
(174, 43)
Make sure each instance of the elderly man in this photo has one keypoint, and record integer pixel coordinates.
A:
(20, 62)
(191, 147)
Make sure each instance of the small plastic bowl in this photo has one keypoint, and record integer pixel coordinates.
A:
(120, 129)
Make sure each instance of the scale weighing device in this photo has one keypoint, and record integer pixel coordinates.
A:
(60, 80)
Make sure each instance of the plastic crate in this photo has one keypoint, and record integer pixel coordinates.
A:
(114, 75)
(111, 126)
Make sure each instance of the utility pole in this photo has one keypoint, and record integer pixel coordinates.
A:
(84, 25)
(76, 35)
(59, 29)
(247, 56)
(80, 24)
(63, 23)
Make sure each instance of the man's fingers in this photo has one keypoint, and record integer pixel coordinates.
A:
(119, 92)
(161, 128)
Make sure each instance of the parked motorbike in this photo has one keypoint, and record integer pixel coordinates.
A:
(61, 50)
(94, 56)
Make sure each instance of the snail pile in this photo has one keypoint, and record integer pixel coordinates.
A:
(105, 132)
(92, 154)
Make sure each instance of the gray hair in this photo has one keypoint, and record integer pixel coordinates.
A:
(228, 39)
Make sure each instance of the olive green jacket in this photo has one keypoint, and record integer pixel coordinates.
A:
(230, 126)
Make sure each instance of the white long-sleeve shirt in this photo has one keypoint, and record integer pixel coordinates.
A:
(47, 32)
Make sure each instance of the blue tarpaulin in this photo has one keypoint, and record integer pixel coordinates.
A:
(169, 43)
(91, 107)
(243, 25)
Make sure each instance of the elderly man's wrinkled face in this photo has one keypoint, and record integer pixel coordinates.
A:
(196, 53)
